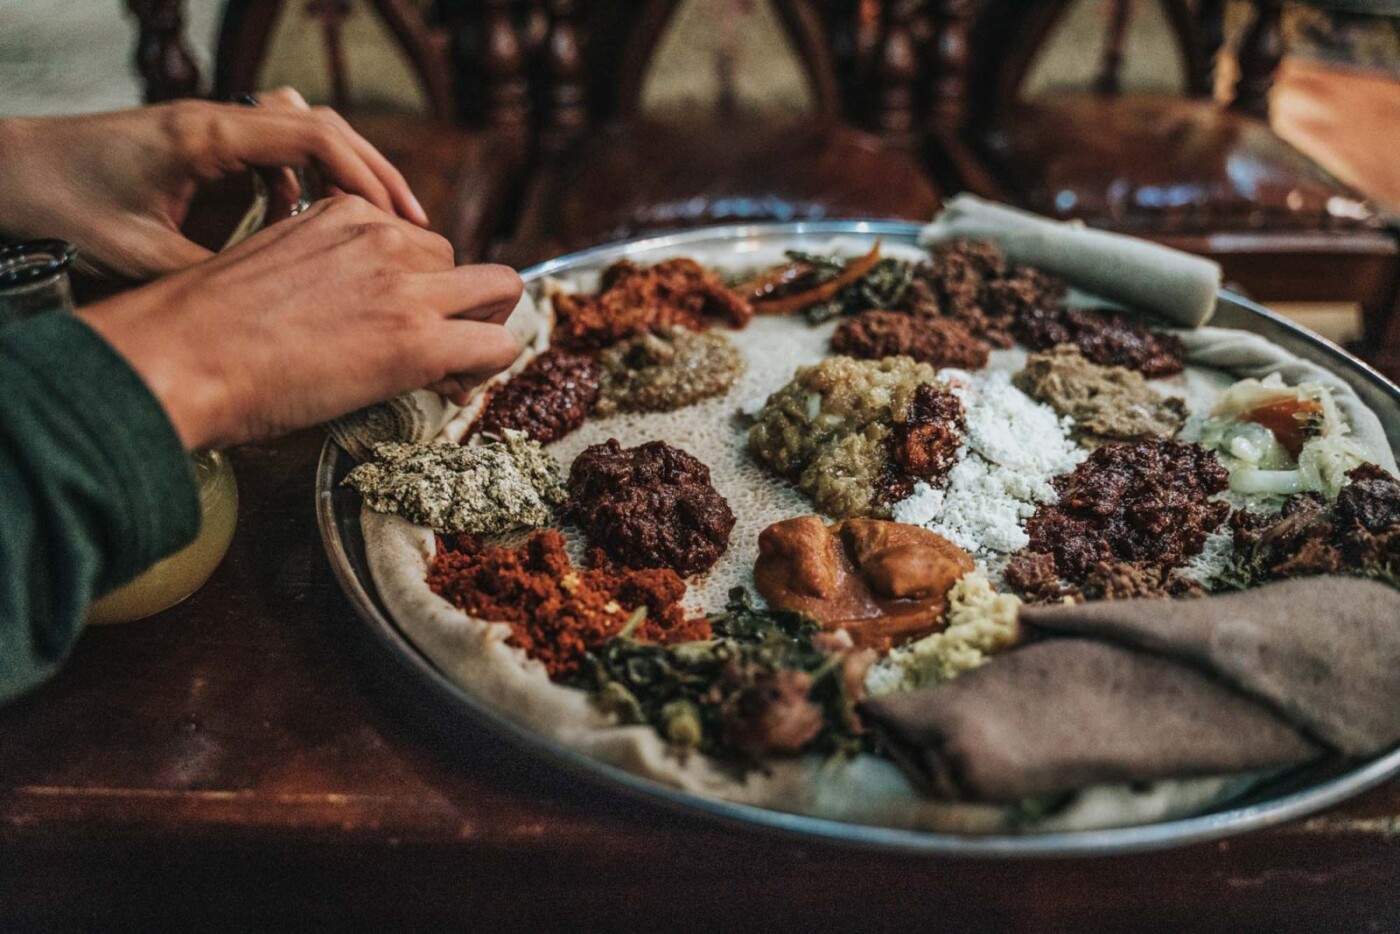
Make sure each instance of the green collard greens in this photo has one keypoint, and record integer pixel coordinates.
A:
(763, 685)
(886, 286)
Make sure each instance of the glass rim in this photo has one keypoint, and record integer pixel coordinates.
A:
(31, 261)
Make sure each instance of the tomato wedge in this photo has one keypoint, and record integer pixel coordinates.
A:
(1287, 419)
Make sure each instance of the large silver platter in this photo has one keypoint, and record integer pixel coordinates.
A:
(1285, 798)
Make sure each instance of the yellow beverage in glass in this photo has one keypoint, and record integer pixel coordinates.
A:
(172, 579)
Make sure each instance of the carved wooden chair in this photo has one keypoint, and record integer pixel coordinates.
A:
(1183, 168)
(455, 123)
(613, 166)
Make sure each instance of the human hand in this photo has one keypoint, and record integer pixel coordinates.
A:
(313, 317)
(118, 185)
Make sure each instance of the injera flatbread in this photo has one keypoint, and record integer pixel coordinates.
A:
(867, 789)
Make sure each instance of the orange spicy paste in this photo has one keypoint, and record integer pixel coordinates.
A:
(557, 612)
(635, 300)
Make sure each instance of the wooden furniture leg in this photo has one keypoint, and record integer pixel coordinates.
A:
(163, 58)
(1381, 323)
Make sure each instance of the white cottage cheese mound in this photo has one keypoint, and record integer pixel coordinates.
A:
(1015, 447)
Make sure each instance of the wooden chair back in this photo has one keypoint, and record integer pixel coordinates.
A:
(246, 35)
(562, 65)
(1004, 37)
(467, 58)
(592, 60)
(163, 58)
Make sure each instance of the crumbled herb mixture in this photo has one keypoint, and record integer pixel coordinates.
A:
(768, 683)
(667, 369)
(498, 486)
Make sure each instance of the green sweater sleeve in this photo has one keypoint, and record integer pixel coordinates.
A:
(95, 486)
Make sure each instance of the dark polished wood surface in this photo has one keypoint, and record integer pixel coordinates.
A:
(251, 758)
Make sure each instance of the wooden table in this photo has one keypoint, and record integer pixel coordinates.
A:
(248, 758)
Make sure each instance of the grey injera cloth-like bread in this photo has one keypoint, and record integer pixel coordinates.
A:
(1178, 286)
(1067, 714)
(415, 417)
(1322, 652)
(1147, 689)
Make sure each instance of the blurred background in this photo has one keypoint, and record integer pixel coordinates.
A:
(1261, 133)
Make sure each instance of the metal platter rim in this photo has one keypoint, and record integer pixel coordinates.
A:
(1228, 821)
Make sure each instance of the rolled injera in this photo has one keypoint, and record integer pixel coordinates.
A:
(1176, 285)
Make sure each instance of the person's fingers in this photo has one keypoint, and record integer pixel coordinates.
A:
(242, 137)
(146, 249)
(405, 201)
(470, 352)
(475, 349)
(348, 209)
(391, 238)
(283, 192)
(494, 313)
(374, 240)
(484, 292)
(283, 98)
(343, 166)
(350, 236)
(309, 241)
(459, 391)
(377, 237)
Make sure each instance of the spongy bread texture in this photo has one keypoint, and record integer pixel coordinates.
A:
(474, 654)
(716, 432)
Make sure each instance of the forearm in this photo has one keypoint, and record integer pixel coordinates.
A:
(94, 487)
(21, 184)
